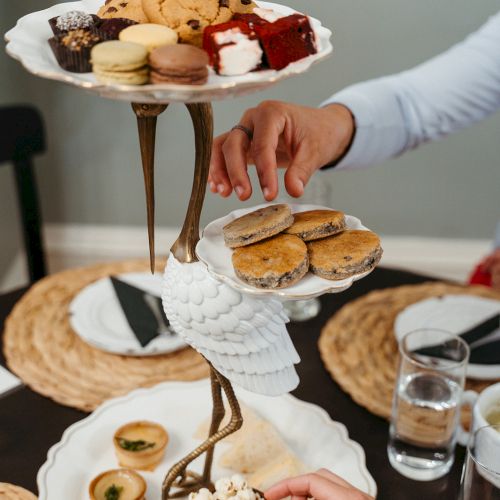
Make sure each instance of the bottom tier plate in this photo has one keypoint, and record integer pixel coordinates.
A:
(86, 447)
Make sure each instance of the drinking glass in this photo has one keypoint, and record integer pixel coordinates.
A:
(481, 473)
(426, 403)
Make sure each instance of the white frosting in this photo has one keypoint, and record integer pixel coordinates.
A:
(232, 35)
(241, 57)
(268, 15)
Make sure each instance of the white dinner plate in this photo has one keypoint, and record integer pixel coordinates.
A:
(86, 448)
(454, 314)
(98, 319)
(27, 42)
(212, 251)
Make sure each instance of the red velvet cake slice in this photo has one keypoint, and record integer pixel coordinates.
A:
(233, 48)
(286, 40)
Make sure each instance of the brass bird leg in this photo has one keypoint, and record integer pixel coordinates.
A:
(186, 481)
(184, 251)
(146, 123)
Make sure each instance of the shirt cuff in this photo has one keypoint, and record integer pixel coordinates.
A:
(380, 133)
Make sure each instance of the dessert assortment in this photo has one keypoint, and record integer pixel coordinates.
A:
(273, 248)
(160, 41)
(256, 451)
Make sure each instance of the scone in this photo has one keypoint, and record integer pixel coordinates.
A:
(257, 225)
(190, 17)
(315, 224)
(277, 262)
(128, 9)
(344, 255)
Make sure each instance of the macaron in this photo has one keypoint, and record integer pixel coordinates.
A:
(120, 62)
(183, 64)
(150, 35)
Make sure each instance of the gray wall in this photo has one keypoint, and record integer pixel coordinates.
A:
(91, 173)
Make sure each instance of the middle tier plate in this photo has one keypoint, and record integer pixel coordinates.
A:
(212, 251)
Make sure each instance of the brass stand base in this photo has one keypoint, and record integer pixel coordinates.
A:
(178, 476)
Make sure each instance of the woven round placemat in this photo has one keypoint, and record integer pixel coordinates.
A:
(41, 348)
(359, 349)
(11, 492)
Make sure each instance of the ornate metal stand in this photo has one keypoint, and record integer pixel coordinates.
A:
(184, 251)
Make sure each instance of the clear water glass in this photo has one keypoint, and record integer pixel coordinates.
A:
(481, 473)
(426, 403)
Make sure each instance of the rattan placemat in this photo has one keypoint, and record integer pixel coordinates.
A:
(359, 349)
(41, 348)
(11, 492)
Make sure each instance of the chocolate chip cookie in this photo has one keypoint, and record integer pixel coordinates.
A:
(128, 9)
(276, 262)
(344, 255)
(190, 17)
(257, 225)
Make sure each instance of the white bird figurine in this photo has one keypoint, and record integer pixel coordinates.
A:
(244, 337)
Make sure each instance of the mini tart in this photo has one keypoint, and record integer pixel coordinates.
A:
(132, 484)
(148, 454)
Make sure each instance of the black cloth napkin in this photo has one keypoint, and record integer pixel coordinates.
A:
(139, 315)
(487, 353)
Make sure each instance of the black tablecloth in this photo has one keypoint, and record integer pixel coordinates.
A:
(30, 424)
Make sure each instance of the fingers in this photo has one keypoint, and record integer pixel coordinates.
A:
(307, 485)
(300, 171)
(333, 477)
(269, 124)
(218, 179)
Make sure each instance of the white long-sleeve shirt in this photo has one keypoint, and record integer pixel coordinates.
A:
(445, 94)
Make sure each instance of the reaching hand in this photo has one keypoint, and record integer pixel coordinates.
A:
(322, 485)
(297, 138)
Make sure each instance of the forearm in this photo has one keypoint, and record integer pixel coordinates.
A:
(451, 91)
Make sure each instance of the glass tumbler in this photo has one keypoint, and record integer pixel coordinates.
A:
(481, 473)
(426, 403)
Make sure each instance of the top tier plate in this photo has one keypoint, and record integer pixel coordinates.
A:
(27, 42)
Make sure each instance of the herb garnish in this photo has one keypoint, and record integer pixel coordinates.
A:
(138, 445)
(113, 492)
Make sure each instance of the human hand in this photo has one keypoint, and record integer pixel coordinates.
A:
(298, 138)
(322, 485)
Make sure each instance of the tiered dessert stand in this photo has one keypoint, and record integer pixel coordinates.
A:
(27, 42)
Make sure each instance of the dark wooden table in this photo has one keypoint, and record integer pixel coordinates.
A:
(30, 424)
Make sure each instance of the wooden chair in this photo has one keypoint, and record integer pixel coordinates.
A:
(21, 137)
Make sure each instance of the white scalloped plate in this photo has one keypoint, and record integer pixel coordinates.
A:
(98, 319)
(27, 42)
(86, 447)
(212, 251)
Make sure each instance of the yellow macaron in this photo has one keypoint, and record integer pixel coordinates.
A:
(120, 62)
(149, 35)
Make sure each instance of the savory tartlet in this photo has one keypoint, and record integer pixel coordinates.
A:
(140, 445)
(122, 484)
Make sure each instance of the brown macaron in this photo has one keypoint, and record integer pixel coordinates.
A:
(315, 224)
(276, 262)
(183, 64)
(344, 255)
